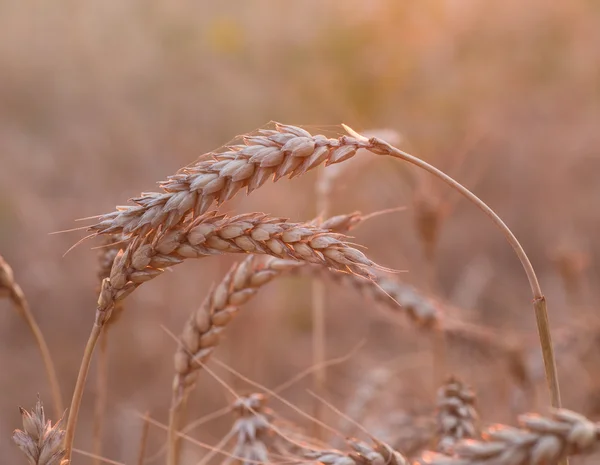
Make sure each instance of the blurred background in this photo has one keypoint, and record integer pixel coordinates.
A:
(101, 99)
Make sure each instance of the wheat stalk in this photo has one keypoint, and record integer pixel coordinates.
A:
(10, 288)
(456, 414)
(107, 253)
(538, 441)
(41, 442)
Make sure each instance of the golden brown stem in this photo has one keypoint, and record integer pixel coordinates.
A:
(17, 296)
(383, 147)
(80, 384)
(143, 440)
(101, 396)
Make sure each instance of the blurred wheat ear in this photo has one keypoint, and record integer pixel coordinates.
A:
(41, 442)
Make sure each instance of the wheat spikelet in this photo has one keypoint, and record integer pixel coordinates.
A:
(456, 414)
(41, 442)
(108, 251)
(538, 441)
(217, 177)
(213, 234)
(362, 453)
(252, 431)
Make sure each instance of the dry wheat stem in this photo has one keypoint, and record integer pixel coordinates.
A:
(41, 442)
(382, 147)
(538, 441)
(456, 414)
(285, 151)
(8, 286)
(106, 257)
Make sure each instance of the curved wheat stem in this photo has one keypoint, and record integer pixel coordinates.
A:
(381, 147)
(10, 287)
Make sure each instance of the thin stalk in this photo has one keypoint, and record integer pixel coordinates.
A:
(539, 301)
(174, 437)
(143, 440)
(80, 385)
(20, 302)
(101, 396)
(319, 296)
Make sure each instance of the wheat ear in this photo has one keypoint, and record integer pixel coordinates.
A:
(456, 414)
(538, 440)
(9, 287)
(362, 454)
(285, 151)
(41, 442)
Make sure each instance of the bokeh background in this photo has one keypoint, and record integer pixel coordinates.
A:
(101, 99)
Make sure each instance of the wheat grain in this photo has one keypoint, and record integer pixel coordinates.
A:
(538, 441)
(456, 414)
(41, 442)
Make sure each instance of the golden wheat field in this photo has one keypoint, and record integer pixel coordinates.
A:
(363, 232)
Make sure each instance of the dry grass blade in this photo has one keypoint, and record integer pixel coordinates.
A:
(456, 414)
(41, 442)
(284, 151)
(538, 440)
(10, 288)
